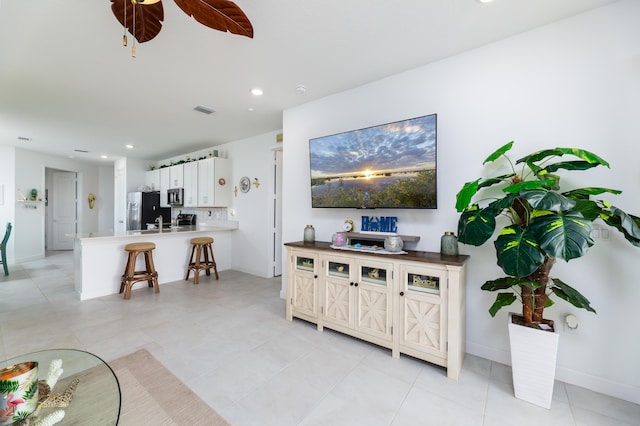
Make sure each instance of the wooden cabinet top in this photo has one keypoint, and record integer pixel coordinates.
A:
(412, 255)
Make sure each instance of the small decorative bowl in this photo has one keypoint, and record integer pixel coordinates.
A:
(18, 392)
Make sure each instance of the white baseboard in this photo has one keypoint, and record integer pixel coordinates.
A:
(567, 375)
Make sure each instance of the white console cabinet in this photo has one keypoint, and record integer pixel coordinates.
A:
(411, 303)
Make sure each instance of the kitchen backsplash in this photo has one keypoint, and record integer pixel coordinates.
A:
(205, 214)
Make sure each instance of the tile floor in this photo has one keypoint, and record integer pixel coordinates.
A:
(229, 341)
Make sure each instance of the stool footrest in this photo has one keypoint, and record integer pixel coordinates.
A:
(201, 247)
(131, 276)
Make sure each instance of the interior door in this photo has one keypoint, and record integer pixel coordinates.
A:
(63, 200)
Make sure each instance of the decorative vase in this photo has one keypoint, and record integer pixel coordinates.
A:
(18, 392)
(339, 239)
(449, 244)
(533, 362)
(393, 243)
(309, 234)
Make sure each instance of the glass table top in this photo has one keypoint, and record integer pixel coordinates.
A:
(96, 400)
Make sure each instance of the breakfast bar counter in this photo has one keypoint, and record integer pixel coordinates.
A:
(100, 258)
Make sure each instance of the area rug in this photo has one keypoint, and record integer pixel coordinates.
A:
(152, 395)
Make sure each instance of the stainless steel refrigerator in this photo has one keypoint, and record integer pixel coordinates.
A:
(144, 208)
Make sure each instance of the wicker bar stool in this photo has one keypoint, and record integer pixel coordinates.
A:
(131, 276)
(201, 246)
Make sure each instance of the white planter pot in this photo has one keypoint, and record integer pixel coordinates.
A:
(533, 361)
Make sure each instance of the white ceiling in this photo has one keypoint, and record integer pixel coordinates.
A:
(66, 81)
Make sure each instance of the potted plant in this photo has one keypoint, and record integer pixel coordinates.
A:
(543, 224)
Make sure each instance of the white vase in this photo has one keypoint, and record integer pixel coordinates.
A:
(393, 243)
(533, 363)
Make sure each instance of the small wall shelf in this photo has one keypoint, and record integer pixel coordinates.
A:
(29, 204)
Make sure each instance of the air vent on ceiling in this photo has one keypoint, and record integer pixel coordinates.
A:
(80, 150)
(204, 109)
(23, 138)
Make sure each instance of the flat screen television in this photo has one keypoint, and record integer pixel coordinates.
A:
(390, 166)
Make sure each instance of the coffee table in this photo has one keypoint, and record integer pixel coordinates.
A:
(96, 400)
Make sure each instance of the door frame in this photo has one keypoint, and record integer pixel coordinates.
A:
(276, 212)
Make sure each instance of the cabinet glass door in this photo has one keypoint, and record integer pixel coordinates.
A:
(338, 269)
(305, 263)
(423, 283)
(373, 275)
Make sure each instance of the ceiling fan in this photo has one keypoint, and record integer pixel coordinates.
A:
(143, 18)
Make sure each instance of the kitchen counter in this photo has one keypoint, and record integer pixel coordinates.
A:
(100, 257)
(211, 226)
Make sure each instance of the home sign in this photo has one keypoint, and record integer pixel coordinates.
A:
(379, 224)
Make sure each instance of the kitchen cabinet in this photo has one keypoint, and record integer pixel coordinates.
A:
(190, 184)
(356, 297)
(152, 179)
(214, 182)
(170, 177)
(176, 176)
(165, 183)
(411, 303)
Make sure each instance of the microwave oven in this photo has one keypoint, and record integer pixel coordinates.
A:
(175, 196)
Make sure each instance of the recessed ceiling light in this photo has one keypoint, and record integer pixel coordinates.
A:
(485, 1)
(256, 92)
(301, 88)
(251, 109)
(104, 157)
(129, 146)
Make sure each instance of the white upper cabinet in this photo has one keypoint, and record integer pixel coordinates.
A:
(176, 174)
(214, 182)
(191, 184)
(165, 183)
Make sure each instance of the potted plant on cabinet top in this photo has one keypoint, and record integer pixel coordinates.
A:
(544, 224)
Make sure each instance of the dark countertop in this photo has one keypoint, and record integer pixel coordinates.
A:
(412, 255)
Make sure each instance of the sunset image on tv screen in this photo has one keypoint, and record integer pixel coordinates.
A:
(387, 166)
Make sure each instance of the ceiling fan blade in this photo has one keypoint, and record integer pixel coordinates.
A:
(222, 15)
(149, 18)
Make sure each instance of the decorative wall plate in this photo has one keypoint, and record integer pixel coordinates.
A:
(245, 184)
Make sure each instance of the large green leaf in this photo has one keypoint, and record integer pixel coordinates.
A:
(590, 210)
(518, 252)
(508, 282)
(558, 152)
(476, 225)
(493, 181)
(464, 196)
(562, 235)
(502, 300)
(571, 295)
(569, 165)
(498, 153)
(586, 192)
(547, 200)
(529, 185)
(469, 189)
(627, 224)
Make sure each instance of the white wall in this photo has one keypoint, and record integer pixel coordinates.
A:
(573, 83)
(29, 227)
(252, 243)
